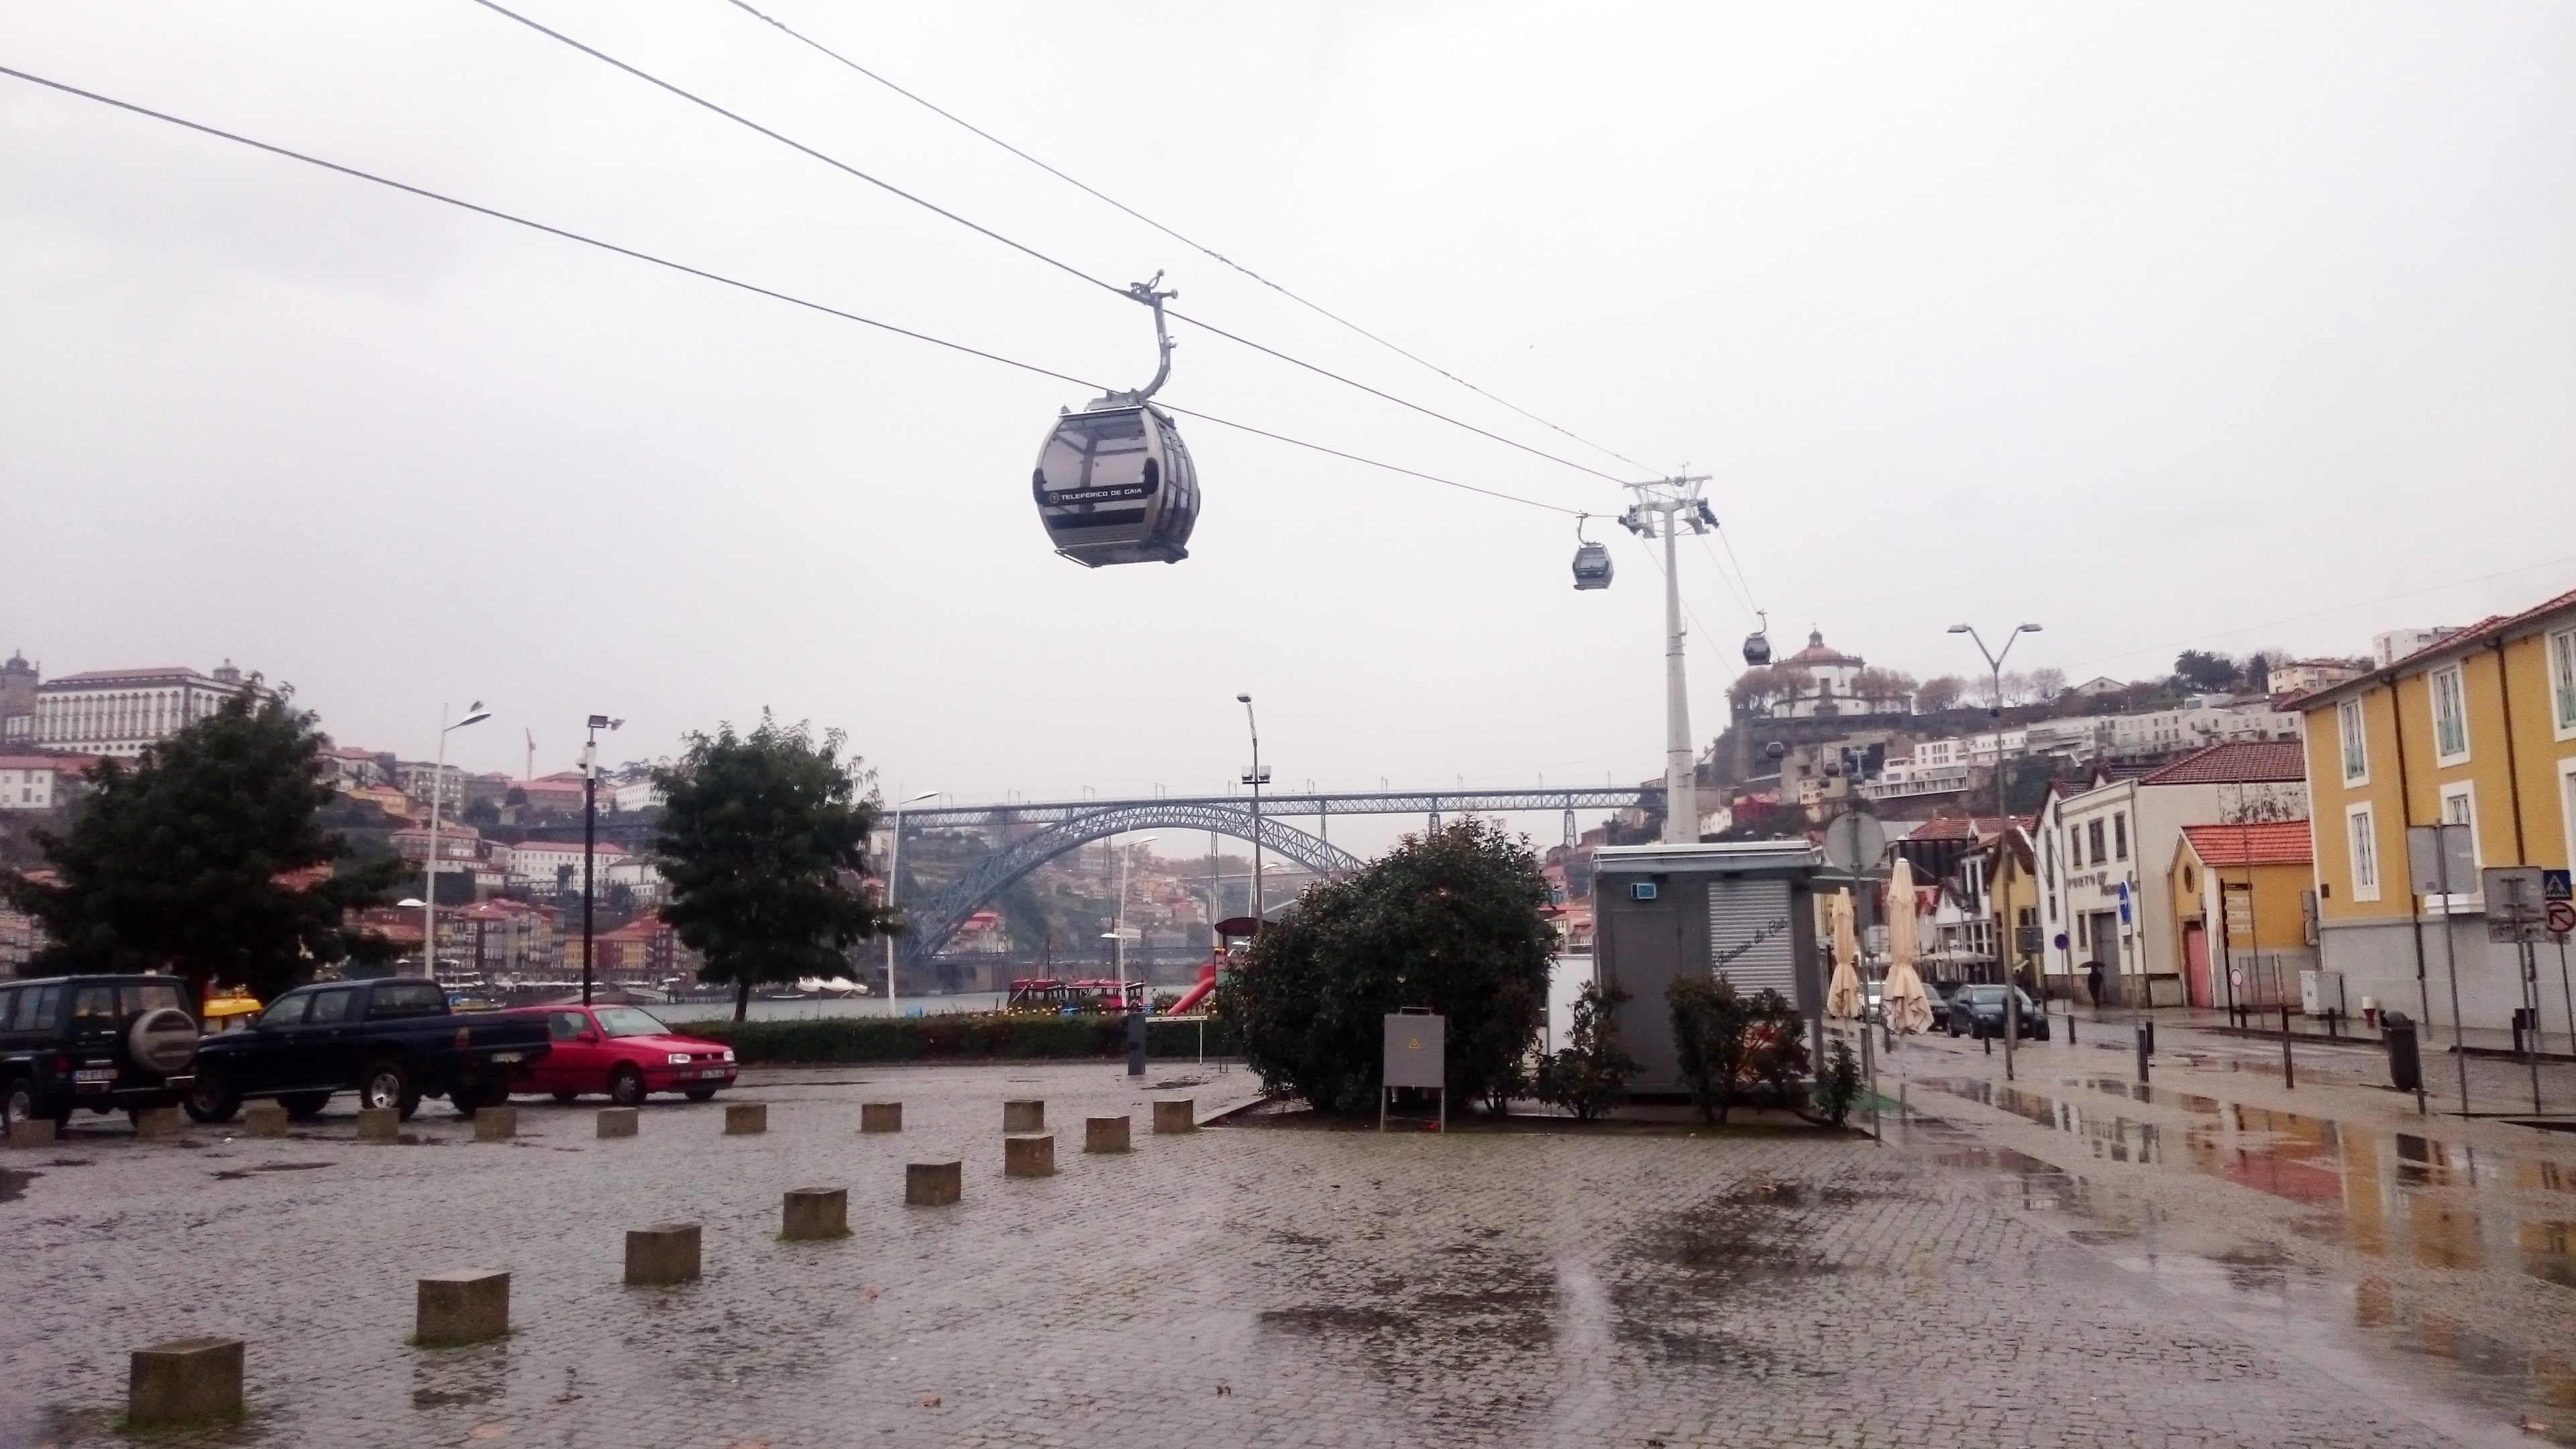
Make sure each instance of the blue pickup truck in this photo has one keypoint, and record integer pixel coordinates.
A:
(392, 1042)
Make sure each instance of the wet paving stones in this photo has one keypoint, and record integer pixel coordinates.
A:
(1237, 1286)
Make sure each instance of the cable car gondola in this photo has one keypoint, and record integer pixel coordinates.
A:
(1757, 645)
(1114, 484)
(1591, 560)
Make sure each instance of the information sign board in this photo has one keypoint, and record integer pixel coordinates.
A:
(2515, 911)
(1416, 1050)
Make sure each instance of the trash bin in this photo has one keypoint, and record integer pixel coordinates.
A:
(2405, 1068)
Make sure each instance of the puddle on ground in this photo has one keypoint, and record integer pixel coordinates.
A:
(13, 1183)
(2493, 1391)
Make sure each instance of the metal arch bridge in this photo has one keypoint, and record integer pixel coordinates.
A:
(1068, 825)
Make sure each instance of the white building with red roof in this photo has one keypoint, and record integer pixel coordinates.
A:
(1828, 686)
(2103, 855)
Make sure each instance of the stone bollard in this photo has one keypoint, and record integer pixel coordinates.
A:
(184, 1380)
(619, 1121)
(157, 1124)
(379, 1124)
(880, 1116)
(467, 1305)
(746, 1119)
(1176, 1115)
(662, 1254)
(32, 1132)
(264, 1119)
(933, 1184)
(1104, 1134)
(1024, 1116)
(816, 1212)
(496, 1124)
(1028, 1154)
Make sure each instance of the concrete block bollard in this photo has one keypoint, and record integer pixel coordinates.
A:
(264, 1119)
(933, 1184)
(157, 1124)
(1028, 1154)
(816, 1212)
(746, 1119)
(1024, 1116)
(32, 1132)
(1104, 1134)
(880, 1116)
(184, 1380)
(1176, 1115)
(379, 1124)
(619, 1121)
(662, 1254)
(467, 1305)
(496, 1124)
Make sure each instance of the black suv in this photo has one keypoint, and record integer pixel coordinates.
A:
(101, 1042)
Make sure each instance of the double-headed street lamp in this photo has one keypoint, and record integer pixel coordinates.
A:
(1995, 716)
(1256, 777)
(475, 713)
(590, 834)
(894, 857)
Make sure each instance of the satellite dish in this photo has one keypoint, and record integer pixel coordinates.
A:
(1854, 843)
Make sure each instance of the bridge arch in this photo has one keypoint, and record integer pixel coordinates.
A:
(935, 919)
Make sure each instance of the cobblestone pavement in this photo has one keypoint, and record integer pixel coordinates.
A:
(1981, 1278)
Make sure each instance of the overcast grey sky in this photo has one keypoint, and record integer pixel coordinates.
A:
(2158, 324)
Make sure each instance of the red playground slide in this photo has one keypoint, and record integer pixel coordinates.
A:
(1197, 993)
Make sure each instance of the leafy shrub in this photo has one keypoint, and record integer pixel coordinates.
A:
(1838, 1086)
(1450, 921)
(1591, 1075)
(1734, 1048)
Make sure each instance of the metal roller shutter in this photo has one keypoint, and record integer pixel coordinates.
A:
(1749, 941)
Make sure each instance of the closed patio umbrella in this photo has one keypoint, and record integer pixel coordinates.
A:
(1842, 999)
(1908, 1006)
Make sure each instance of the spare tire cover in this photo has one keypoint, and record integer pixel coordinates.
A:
(163, 1039)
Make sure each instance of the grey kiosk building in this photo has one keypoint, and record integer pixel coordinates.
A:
(1744, 910)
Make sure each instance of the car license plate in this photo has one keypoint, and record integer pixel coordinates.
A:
(505, 1056)
(100, 1075)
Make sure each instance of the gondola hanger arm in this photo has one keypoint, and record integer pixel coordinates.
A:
(1146, 293)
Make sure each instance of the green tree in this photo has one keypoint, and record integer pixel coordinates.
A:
(1451, 921)
(762, 840)
(206, 858)
(1591, 1075)
(1727, 1043)
(2205, 671)
(1940, 693)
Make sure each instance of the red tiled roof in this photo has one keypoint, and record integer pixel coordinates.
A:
(2244, 762)
(2494, 626)
(2276, 842)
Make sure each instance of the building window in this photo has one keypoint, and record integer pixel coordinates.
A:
(2356, 748)
(2364, 848)
(2460, 807)
(2562, 681)
(2120, 837)
(2450, 717)
(2093, 838)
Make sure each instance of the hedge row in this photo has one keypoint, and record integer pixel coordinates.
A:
(956, 1036)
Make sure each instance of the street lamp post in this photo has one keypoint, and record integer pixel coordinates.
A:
(894, 859)
(475, 713)
(1256, 777)
(1118, 932)
(590, 835)
(1995, 717)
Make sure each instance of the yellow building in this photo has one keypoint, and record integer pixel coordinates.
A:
(2012, 899)
(2240, 912)
(2479, 729)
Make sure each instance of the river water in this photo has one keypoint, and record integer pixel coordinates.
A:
(822, 1009)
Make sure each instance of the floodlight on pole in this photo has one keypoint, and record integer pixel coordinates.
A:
(475, 713)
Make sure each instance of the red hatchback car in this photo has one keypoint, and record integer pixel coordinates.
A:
(624, 1052)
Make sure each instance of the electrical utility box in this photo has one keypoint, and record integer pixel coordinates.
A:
(1744, 910)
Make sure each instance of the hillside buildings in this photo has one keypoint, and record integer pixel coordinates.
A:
(120, 711)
